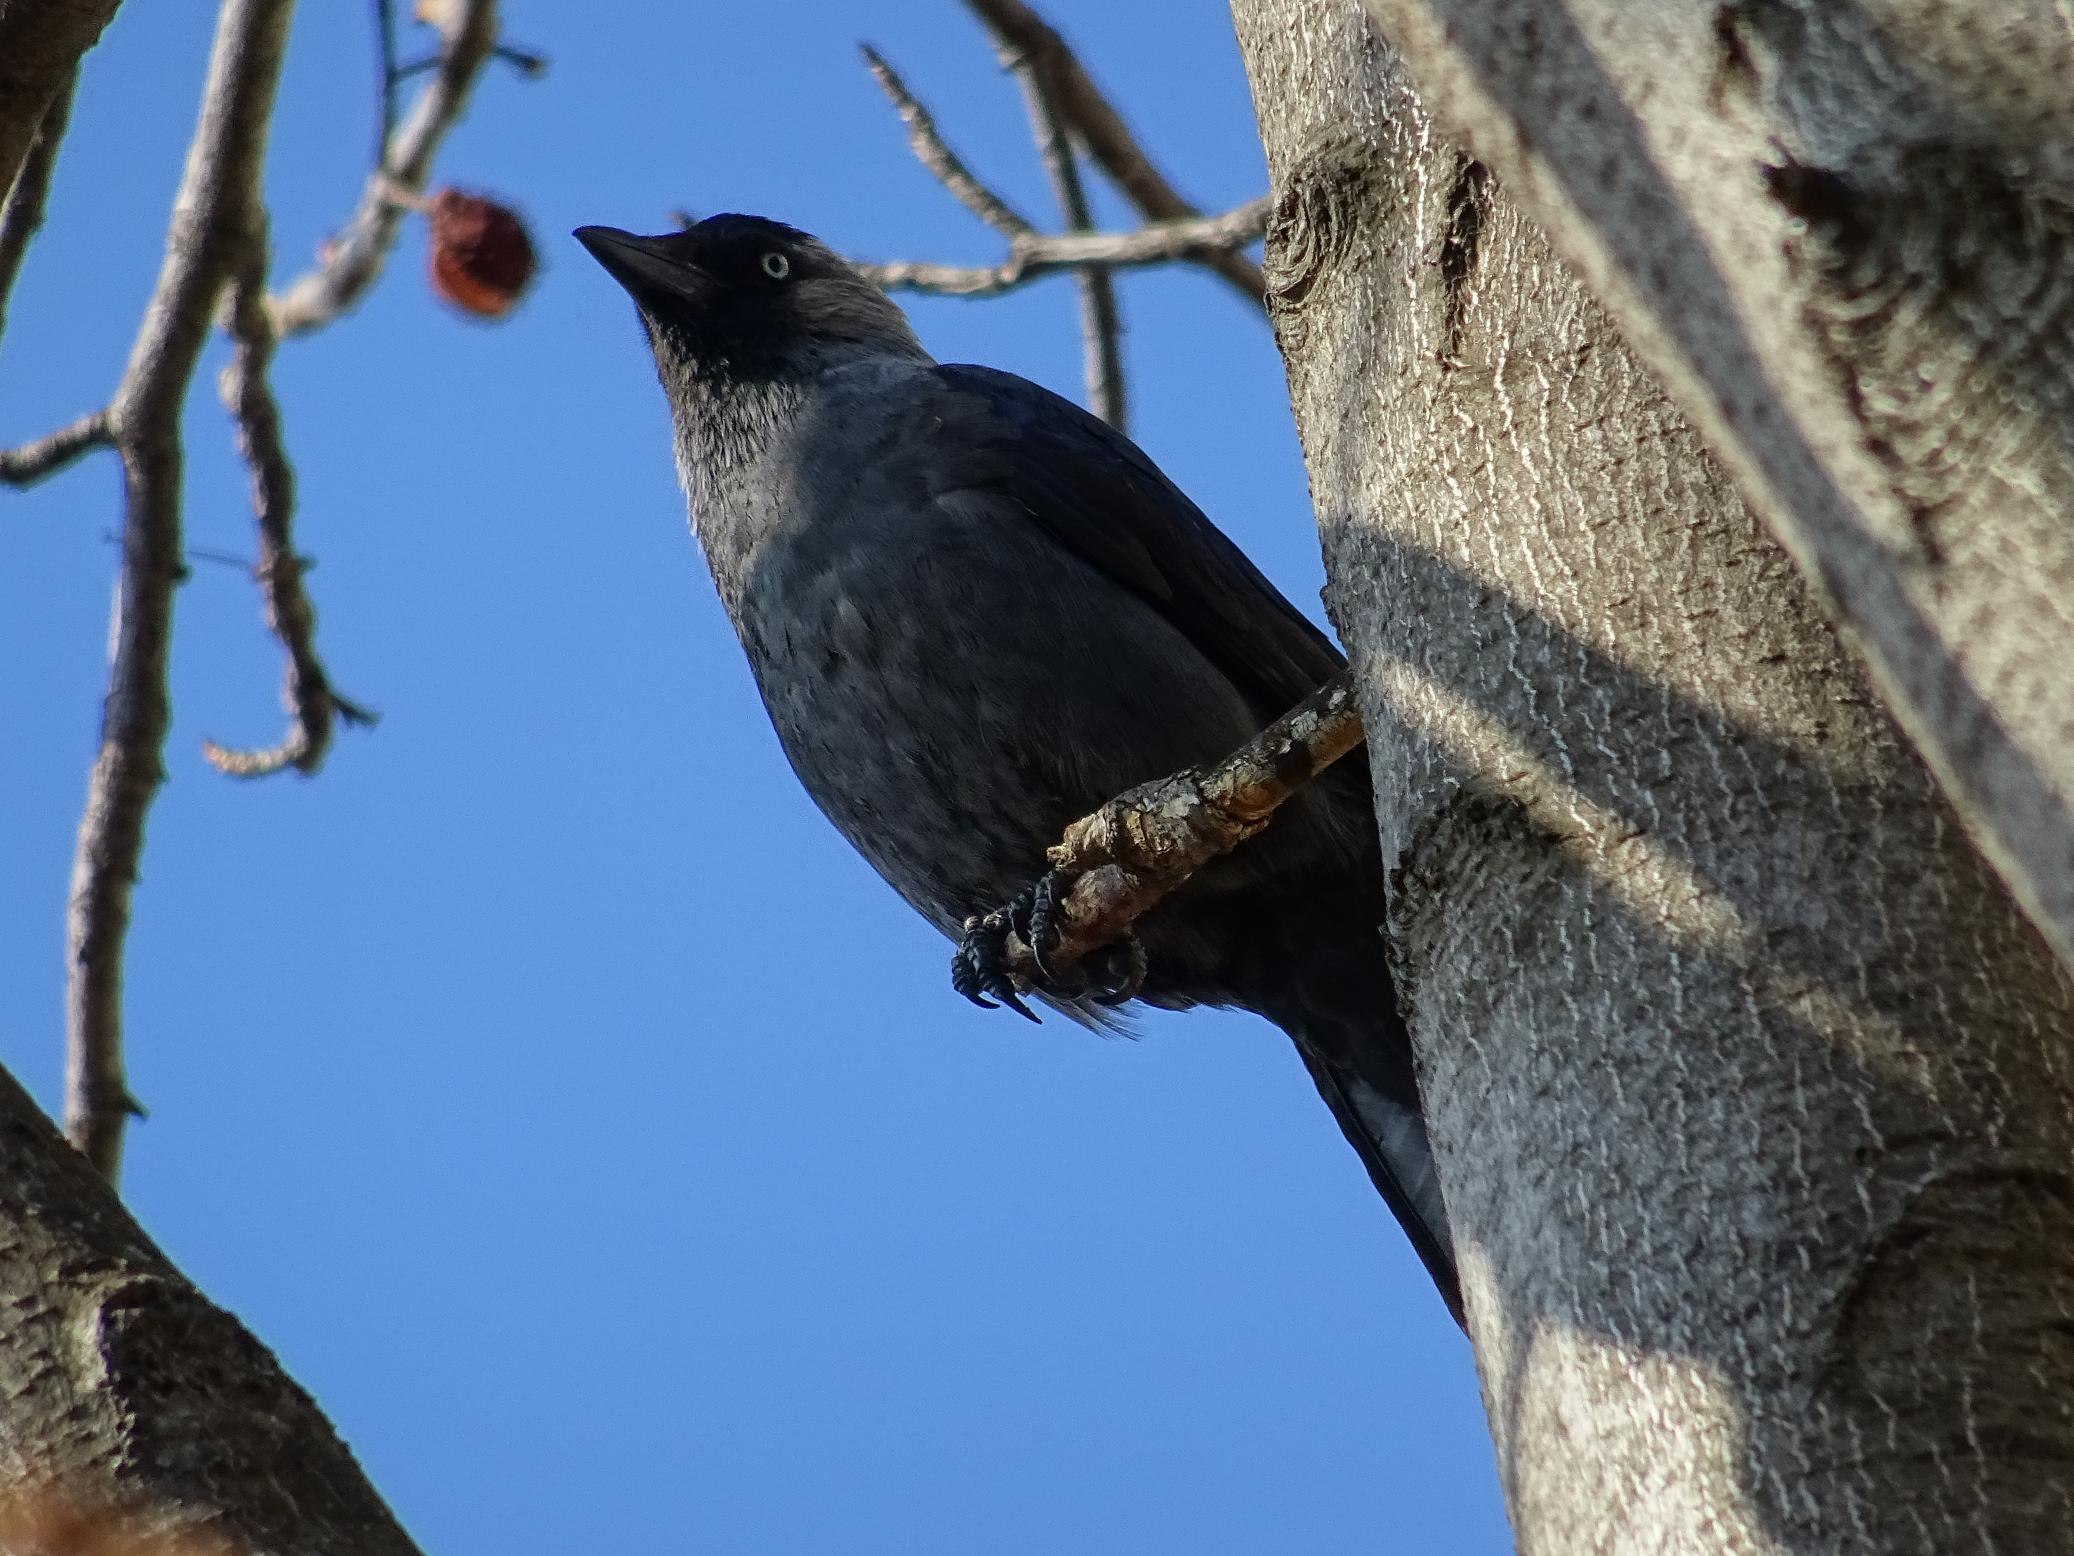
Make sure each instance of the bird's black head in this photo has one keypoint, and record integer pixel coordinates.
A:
(747, 298)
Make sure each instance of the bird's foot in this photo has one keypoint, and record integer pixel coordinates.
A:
(1109, 975)
(1116, 972)
(982, 966)
(979, 967)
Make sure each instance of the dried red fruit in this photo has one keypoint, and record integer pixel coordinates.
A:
(482, 258)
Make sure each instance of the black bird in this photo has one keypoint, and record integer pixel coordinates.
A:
(975, 612)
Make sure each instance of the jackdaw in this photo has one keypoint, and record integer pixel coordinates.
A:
(975, 612)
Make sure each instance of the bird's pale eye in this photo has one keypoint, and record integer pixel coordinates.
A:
(776, 266)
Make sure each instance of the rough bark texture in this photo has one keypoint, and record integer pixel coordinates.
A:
(1753, 1091)
(40, 45)
(133, 1407)
(1843, 233)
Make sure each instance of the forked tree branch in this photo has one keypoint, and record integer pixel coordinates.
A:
(355, 258)
(218, 191)
(1097, 125)
(1056, 96)
(1042, 253)
(216, 246)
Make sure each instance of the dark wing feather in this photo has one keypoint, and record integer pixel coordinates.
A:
(1097, 494)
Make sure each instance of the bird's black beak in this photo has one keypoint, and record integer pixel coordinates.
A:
(646, 268)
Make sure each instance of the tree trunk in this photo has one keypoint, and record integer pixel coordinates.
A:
(1844, 235)
(136, 1416)
(1753, 1091)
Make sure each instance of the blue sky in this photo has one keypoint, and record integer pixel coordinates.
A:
(589, 1130)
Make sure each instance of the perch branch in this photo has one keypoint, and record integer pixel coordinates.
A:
(1097, 125)
(355, 258)
(1126, 857)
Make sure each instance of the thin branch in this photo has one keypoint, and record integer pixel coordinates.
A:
(217, 191)
(1037, 254)
(1101, 325)
(527, 62)
(32, 462)
(355, 258)
(935, 154)
(1100, 128)
(22, 213)
(386, 79)
(1126, 857)
(313, 707)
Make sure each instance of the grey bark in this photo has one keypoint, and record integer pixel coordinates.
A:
(40, 45)
(1753, 1090)
(132, 1409)
(1843, 234)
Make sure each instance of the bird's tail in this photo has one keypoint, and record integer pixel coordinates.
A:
(1304, 958)
(1389, 1136)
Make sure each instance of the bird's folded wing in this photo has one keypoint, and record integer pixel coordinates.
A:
(1010, 444)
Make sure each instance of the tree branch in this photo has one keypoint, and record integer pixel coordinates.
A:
(136, 1415)
(1127, 857)
(218, 191)
(312, 705)
(40, 48)
(1190, 237)
(1038, 254)
(356, 256)
(21, 213)
(1101, 326)
(32, 462)
(935, 154)
(1100, 128)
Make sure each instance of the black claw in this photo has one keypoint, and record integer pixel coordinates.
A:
(1110, 976)
(1122, 974)
(1013, 1001)
(980, 965)
(1038, 923)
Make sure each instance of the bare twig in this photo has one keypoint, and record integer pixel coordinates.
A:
(1098, 127)
(1101, 326)
(217, 191)
(385, 84)
(1062, 99)
(1037, 254)
(313, 707)
(21, 212)
(935, 154)
(1126, 857)
(30, 463)
(356, 256)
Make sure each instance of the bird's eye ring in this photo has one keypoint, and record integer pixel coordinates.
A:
(776, 266)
